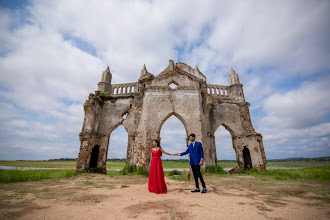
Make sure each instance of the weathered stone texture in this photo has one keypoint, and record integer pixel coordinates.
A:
(142, 107)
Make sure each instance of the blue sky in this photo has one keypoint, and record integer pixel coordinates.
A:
(52, 54)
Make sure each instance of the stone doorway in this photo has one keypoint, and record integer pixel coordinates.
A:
(247, 159)
(94, 157)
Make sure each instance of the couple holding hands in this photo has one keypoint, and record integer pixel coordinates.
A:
(156, 181)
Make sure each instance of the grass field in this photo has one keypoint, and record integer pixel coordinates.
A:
(319, 174)
(10, 176)
(166, 164)
(23, 191)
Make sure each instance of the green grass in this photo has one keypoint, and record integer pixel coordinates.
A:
(132, 169)
(41, 164)
(174, 175)
(52, 164)
(281, 174)
(170, 164)
(11, 176)
(215, 169)
(166, 164)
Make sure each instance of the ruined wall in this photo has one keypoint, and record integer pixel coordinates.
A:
(142, 108)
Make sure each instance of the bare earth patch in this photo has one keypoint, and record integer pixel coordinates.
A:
(97, 196)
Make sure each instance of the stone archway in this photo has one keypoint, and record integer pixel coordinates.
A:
(223, 144)
(143, 106)
(213, 147)
(123, 137)
(180, 119)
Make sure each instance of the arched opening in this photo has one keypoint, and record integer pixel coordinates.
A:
(225, 152)
(173, 136)
(94, 156)
(117, 149)
(247, 159)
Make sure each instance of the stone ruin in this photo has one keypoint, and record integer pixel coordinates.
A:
(142, 107)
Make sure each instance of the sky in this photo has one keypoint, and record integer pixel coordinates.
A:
(52, 54)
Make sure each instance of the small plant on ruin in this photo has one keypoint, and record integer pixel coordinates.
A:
(105, 94)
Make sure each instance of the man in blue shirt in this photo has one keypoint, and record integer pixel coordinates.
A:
(196, 152)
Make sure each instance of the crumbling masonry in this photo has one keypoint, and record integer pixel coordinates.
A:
(142, 107)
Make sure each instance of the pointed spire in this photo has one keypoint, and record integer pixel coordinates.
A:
(144, 70)
(144, 67)
(233, 77)
(232, 71)
(196, 68)
(105, 84)
(106, 75)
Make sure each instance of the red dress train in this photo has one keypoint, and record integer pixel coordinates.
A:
(156, 181)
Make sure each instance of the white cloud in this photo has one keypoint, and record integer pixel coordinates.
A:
(305, 106)
(52, 55)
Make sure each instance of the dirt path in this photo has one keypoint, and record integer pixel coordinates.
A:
(99, 198)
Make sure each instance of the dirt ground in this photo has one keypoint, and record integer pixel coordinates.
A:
(97, 196)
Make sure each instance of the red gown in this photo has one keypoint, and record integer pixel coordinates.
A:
(156, 181)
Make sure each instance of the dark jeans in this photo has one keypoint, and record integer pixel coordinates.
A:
(196, 169)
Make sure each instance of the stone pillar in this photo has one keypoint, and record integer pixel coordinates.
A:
(87, 142)
(236, 93)
(88, 135)
(212, 159)
(105, 84)
(253, 142)
(103, 142)
(130, 147)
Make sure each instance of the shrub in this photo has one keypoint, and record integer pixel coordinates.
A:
(141, 171)
(128, 168)
(174, 172)
(215, 169)
(132, 169)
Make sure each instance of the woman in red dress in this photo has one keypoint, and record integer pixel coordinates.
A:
(156, 181)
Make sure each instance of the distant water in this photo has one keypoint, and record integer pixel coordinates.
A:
(118, 169)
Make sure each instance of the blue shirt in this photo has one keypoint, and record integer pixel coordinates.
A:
(196, 153)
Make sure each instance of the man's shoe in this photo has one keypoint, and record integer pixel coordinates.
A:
(204, 190)
(196, 190)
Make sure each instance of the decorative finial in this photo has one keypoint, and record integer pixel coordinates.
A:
(233, 77)
(144, 70)
(171, 64)
(232, 71)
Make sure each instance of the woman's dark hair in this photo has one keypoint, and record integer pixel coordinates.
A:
(192, 135)
(158, 145)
